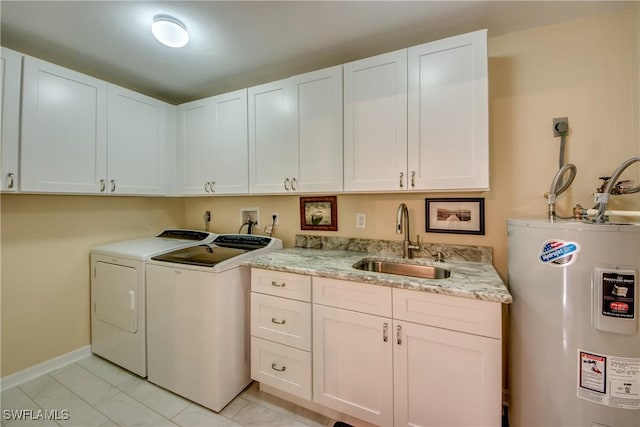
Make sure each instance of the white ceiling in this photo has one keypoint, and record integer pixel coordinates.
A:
(236, 44)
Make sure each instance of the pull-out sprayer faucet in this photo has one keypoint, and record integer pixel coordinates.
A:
(402, 224)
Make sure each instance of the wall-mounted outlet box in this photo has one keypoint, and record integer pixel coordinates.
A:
(361, 220)
(247, 214)
(560, 126)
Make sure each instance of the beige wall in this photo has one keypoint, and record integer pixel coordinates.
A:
(45, 266)
(586, 70)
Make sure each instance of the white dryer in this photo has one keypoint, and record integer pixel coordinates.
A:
(118, 294)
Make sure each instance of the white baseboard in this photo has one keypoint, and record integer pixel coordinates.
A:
(44, 367)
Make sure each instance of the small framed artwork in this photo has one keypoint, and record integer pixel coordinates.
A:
(319, 213)
(462, 215)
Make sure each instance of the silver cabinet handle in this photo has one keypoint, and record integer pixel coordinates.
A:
(10, 183)
(293, 186)
(286, 184)
(274, 366)
(279, 285)
(103, 185)
(211, 184)
(278, 322)
(206, 187)
(385, 328)
(413, 178)
(398, 339)
(113, 185)
(401, 179)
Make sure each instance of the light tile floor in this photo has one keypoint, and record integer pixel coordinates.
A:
(98, 393)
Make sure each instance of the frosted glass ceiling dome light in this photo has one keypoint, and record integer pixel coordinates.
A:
(169, 31)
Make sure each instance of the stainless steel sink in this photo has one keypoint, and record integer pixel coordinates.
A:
(403, 269)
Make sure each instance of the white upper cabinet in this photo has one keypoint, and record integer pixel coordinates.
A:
(295, 134)
(213, 145)
(448, 114)
(137, 143)
(273, 148)
(375, 123)
(318, 105)
(64, 130)
(10, 70)
(417, 119)
(83, 135)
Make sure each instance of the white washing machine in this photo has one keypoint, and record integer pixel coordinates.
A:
(118, 321)
(198, 318)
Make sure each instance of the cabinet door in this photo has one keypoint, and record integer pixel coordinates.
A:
(375, 123)
(447, 367)
(195, 147)
(230, 144)
(10, 69)
(213, 145)
(318, 105)
(64, 130)
(137, 143)
(273, 148)
(352, 363)
(448, 114)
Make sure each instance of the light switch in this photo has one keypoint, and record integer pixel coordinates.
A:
(361, 220)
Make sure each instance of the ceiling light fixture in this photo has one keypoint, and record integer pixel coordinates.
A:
(169, 31)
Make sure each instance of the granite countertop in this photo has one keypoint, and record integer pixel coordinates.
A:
(468, 279)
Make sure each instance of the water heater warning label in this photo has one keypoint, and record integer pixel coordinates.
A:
(609, 380)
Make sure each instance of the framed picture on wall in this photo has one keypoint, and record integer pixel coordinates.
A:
(455, 215)
(319, 213)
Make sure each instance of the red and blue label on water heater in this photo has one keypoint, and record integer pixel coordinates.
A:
(558, 253)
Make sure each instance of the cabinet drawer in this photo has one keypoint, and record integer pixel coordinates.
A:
(285, 368)
(281, 320)
(362, 297)
(460, 314)
(281, 284)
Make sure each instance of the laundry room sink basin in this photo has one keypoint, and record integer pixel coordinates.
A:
(403, 269)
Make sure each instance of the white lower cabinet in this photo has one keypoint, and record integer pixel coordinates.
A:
(445, 378)
(352, 360)
(280, 366)
(281, 331)
(387, 356)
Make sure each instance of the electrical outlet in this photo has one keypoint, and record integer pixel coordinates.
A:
(361, 220)
(277, 215)
(560, 126)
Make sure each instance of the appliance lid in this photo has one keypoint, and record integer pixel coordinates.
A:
(224, 247)
(203, 255)
(144, 248)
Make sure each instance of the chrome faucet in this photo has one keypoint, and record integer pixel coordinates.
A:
(609, 188)
(402, 224)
